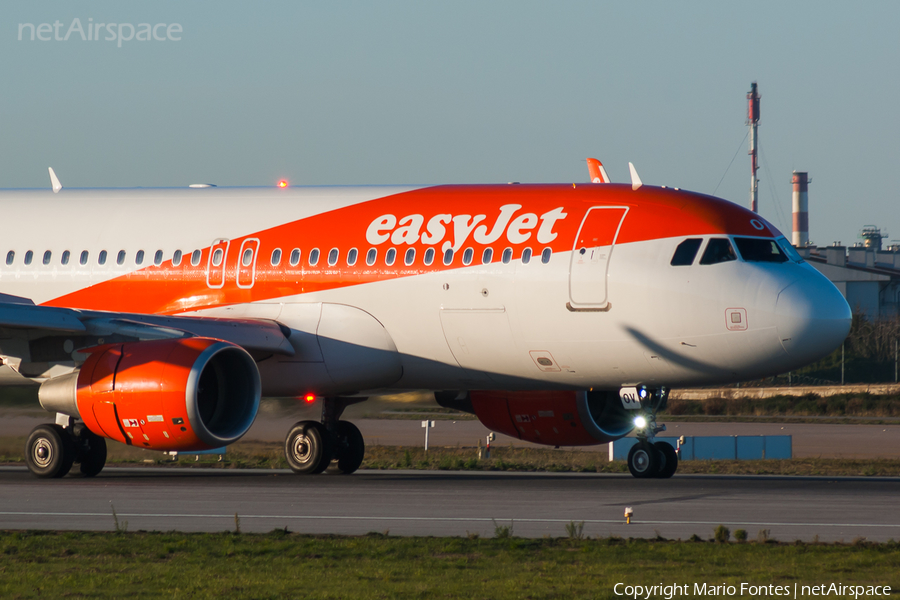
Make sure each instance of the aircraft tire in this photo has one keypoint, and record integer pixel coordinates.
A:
(669, 463)
(351, 447)
(643, 460)
(308, 448)
(93, 453)
(49, 451)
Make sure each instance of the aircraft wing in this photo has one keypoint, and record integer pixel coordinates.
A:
(32, 333)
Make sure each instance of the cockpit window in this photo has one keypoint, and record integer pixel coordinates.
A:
(789, 249)
(686, 252)
(718, 250)
(760, 250)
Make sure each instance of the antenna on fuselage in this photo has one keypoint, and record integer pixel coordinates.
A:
(635, 178)
(54, 181)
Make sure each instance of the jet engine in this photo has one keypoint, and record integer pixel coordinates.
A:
(554, 418)
(181, 394)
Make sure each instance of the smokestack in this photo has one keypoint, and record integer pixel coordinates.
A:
(752, 120)
(800, 204)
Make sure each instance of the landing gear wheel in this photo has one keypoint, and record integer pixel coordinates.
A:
(308, 448)
(93, 453)
(49, 451)
(669, 463)
(643, 460)
(351, 447)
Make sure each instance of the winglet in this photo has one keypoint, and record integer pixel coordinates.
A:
(596, 171)
(635, 179)
(54, 181)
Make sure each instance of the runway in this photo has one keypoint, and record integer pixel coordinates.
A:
(810, 440)
(407, 503)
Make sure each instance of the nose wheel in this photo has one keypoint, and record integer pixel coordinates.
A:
(649, 458)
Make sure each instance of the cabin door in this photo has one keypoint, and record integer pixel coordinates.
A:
(591, 253)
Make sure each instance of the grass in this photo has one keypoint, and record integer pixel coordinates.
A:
(285, 565)
(870, 406)
(268, 455)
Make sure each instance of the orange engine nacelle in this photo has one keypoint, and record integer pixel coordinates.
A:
(183, 394)
(558, 418)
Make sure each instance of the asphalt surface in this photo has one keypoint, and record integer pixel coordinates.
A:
(816, 440)
(452, 504)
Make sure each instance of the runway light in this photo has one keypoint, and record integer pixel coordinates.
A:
(282, 183)
(640, 422)
(309, 398)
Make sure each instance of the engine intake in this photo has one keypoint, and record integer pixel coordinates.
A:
(555, 418)
(185, 394)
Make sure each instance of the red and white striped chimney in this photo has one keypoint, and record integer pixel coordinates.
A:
(800, 204)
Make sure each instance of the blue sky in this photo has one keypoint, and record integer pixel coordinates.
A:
(459, 92)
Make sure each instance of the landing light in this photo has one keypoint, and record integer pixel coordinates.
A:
(282, 183)
(640, 422)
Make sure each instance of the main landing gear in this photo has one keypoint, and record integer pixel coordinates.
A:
(311, 446)
(647, 458)
(51, 450)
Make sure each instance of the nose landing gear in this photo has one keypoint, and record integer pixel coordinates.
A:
(648, 458)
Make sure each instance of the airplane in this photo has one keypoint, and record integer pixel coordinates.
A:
(560, 314)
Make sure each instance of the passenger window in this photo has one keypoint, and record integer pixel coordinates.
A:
(219, 255)
(176, 258)
(759, 250)
(276, 257)
(47, 256)
(10, 257)
(28, 257)
(545, 255)
(158, 257)
(487, 256)
(686, 252)
(526, 256)
(429, 257)
(352, 256)
(371, 256)
(101, 258)
(120, 259)
(468, 255)
(718, 250)
(85, 255)
(507, 256)
(390, 257)
(246, 258)
(333, 257)
(448, 256)
(295, 257)
(139, 257)
(313, 257)
(195, 257)
(410, 257)
(65, 257)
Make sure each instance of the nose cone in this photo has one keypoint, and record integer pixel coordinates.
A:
(812, 318)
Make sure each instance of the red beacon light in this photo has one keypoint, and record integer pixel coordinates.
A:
(309, 398)
(283, 183)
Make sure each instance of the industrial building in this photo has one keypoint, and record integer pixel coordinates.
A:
(867, 276)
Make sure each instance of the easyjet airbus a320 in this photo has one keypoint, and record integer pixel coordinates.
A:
(558, 314)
